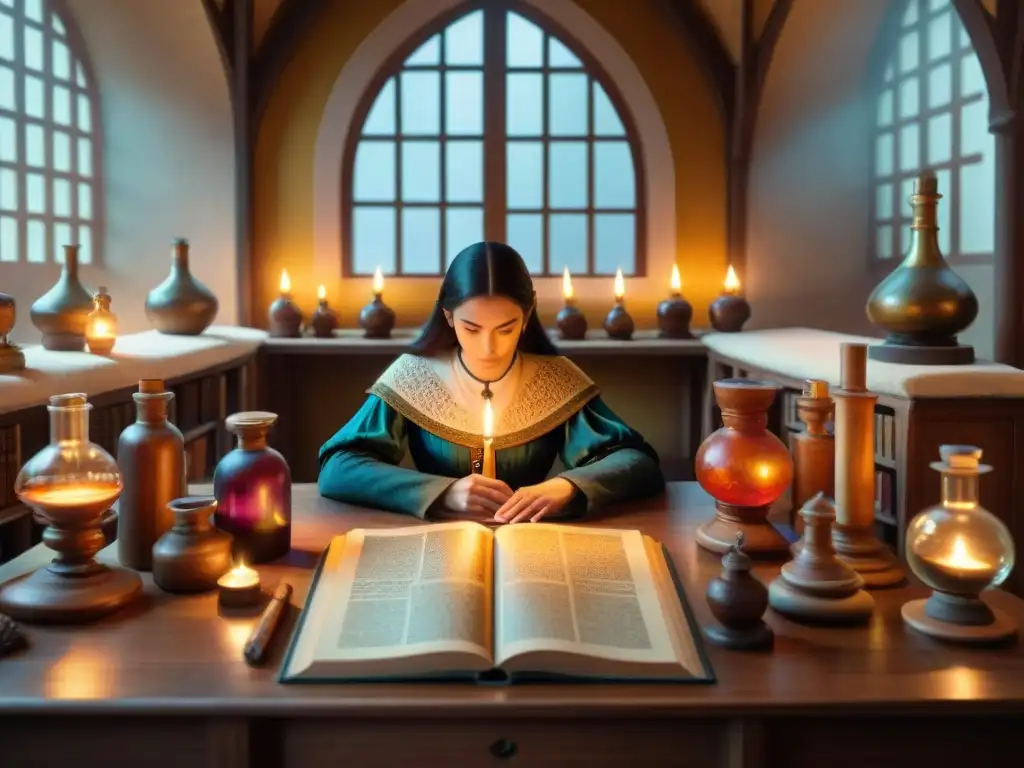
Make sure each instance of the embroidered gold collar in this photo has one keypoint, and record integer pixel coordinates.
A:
(555, 390)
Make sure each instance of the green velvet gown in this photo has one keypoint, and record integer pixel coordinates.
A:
(558, 413)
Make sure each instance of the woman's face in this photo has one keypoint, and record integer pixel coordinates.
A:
(488, 329)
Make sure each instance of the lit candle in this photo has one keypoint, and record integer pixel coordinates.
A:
(731, 286)
(321, 295)
(489, 469)
(239, 587)
(961, 562)
(676, 283)
(620, 286)
(378, 283)
(286, 283)
(567, 292)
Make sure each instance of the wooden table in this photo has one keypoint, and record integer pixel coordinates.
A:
(165, 685)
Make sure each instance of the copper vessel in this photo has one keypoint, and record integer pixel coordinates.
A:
(193, 554)
(923, 303)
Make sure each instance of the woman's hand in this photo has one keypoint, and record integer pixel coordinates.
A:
(475, 497)
(534, 502)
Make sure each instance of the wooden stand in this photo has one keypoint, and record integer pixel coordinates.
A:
(854, 532)
(957, 619)
(817, 586)
(760, 537)
(814, 450)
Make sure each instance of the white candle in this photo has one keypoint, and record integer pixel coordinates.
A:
(489, 469)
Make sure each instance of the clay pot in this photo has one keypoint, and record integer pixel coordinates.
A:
(193, 554)
(61, 314)
(181, 305)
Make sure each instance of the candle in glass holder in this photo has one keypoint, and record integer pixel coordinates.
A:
(572, 324)
(489, 466)
(675, 312)
(730, 310)
(377, 318)
(618, 324)
(285, 316)
(101, 325)
(324, 319)
(239, 587)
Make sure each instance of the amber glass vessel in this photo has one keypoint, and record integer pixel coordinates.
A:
(744, 468)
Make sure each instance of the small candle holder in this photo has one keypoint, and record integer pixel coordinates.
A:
(325, 320)
(572, 324)
(959, 549)
(11, 356)
(618, 324)
(285, 316)
(674, 315)
(239, 588)
(729, 311)
(101, 326)
(738, 600)
(377, 319)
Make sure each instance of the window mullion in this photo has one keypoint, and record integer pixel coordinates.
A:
(495, 20)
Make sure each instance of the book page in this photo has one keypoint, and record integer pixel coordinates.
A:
(416, 591)
(577, 590)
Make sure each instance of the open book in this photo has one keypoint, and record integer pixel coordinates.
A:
(537, 601)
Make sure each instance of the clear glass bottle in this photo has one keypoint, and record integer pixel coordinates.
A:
(957, 546)
(72, 481)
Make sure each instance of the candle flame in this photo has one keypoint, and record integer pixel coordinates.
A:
(378, 281)
(488, 420)
(239, 576)
(286, 282)
(676, 282)
(620, 284)
(321, 293)
(732, 283)
(567, 292)
(100, 329)
(961, 559)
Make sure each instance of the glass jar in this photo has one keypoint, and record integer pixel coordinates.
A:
(957, 546)
(253, 488)
(72, 481)
(743, 464)
(101, 326)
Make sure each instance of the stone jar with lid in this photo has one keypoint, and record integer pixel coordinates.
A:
(151, 456)
(193, 554)
(61, 314)
(181, 305)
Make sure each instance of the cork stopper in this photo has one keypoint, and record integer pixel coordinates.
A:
(151, 386)
(815, 388)
(853, 367)
(73, 400)
(926, 183)
(960, 460)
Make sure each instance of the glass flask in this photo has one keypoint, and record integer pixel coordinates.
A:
(101, 325)
(743, 464)
(253, 488)
(957, 546)
(71, 482)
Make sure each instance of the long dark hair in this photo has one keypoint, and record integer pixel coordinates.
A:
(484, 269)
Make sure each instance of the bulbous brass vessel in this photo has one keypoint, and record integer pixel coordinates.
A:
(923, 304)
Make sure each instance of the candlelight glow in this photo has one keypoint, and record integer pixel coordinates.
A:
(566, 284)
(72, 495)
(676, 283)
(620, 284)
(960, 559)
(378, 281)
(238, 577)
(100, 329)
(732, 283)
(82, 672)
(488, 420)
(321, 293)
(286, 282)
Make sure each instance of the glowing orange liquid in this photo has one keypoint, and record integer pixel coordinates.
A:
(746, 470)
(68, 496)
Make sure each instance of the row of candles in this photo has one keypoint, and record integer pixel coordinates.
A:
(728, 313)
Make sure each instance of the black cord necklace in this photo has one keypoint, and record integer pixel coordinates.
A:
(486, 394)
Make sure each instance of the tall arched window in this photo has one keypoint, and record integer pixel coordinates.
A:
(933, 113)
(49, 151)
(497, 128)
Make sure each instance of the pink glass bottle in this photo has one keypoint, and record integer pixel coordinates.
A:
(253, 488)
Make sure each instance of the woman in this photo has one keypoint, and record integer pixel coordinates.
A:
(484, 341)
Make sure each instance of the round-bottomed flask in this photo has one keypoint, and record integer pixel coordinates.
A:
(957, 546)
(68, 485)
